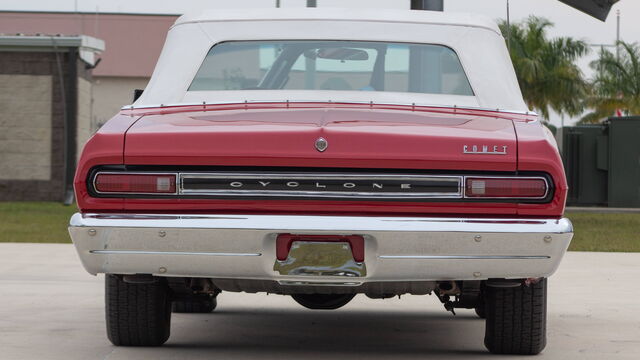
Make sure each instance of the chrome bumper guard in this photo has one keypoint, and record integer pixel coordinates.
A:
(244, 246)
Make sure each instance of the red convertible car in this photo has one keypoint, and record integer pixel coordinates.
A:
(323, 154)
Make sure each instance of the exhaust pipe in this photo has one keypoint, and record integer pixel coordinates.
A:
(448, 288)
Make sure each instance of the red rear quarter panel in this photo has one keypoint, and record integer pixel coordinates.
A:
(105, 147)
(538, 151)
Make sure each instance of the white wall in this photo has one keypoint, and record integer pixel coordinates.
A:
(25, 127)
(112, 93)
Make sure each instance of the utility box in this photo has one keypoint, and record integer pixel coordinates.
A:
(585, 155)
(624, 161)
(602, 163)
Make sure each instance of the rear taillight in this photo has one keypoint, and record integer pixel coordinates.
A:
(135, 183)
(505, 188)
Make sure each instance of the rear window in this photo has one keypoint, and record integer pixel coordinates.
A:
(332, 65)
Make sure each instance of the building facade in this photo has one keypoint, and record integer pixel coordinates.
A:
(47, 117)
(45, 97)
(132, 45)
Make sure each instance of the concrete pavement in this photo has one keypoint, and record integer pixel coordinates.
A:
(51, 309)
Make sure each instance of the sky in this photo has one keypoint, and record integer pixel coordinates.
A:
(568, 21)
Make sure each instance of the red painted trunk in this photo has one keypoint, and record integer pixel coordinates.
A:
(356, 138)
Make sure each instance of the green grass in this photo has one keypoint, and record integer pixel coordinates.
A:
(45, 222)
(605, 232)
(36, 222)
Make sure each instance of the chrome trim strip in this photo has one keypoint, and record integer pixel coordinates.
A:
(335, 224)
(459, 179)
(320, 177)
(285, 101)
(463, 257)
(328, 194)
(314, 175)
(318, 283)
(144, 252)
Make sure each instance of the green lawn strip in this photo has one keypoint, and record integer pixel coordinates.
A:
(605, 232)
(46, 222)
(35, 222)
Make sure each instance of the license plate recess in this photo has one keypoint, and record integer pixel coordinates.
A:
(320, 255)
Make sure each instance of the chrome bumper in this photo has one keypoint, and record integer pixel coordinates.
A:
(244, 246)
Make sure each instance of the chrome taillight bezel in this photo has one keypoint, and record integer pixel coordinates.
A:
(187, 172)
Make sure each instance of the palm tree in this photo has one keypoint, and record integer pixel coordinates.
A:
(546, 69)
(616, 85)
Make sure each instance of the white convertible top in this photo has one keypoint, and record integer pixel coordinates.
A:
(476, 39)
(316, 14)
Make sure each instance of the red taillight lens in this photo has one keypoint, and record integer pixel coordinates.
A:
(136, 183)
(509, 188)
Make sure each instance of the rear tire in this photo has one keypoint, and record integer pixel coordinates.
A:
(516, 319)
(323, 301)
(137, 314)
(195, 306)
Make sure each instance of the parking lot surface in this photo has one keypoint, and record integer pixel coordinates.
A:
(52, 309)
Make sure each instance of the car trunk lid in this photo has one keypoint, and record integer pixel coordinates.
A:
(355, 138)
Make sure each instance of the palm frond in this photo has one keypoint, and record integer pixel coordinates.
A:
(546, 69)
(617, 81)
